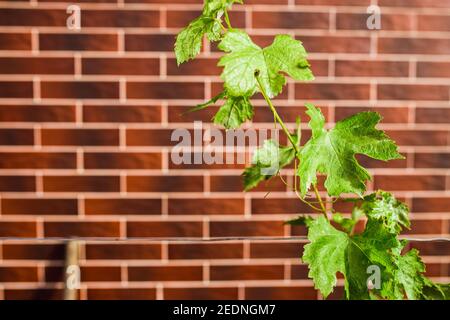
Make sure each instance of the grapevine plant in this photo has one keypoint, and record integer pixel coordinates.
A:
(334, 245)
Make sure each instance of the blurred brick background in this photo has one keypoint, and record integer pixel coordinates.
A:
(85, 124)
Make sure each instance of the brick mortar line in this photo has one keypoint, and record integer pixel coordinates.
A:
(192, 172)
(273, 218)
(281, 103)
(206, 80)
(298, 32)
(238, 8)
(216, 55)
(183, 263)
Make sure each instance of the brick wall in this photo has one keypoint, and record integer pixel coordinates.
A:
(85, 124)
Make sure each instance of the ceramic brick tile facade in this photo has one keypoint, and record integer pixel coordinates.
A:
(85, 124)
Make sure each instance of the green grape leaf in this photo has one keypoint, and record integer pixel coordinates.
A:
(267, 162)
(234, 112)
(409, 274)
(435, 291)
(384, 207)
(189, 41)
(244, 58)
(347, 224)
(325, 254)
(332, 152)
(332, 251)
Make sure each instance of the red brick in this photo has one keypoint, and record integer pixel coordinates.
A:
(16, 89)
(299, 271)
(18, 229)
(418, 137)
(81, 229)
(81, 184)
(280, 293)
(210, 293)
(120, 18)
(126, 206)
(121, 113)
(122, 160)
(432, 160)
(425, 227)
(28, 65)
(358, 21)
(15, 41)
(152, 137)
(165, 90)
(197, 67)
(17, 184)
(80, 137)
(39, 206)
(414, 3)
(389, 114)
(413, 92)
(139, 229)
(274, 205)
(165, 183)
(433, 69)
(120, 66)
(433, 23)
(435, 269)
(370, 68)
(33, 17)
(208, 206)
(16, 137)
(246, 272)
(363, 3)
(123, 251)
(206, 251)
(78, 42)
(165, 273)
(149, 42)
(276, 250)
(438, 204)
(413, 45)
(166, 1)
(33, 251)
(18, 274)
(335, 44)
(34, 294)
(235, 184)
(410, 182)
(367, 162)
(290, 20)
(88, 274)
(21, 160)
(246, 228)
(37, 113)
(433, 248)
(80, 90)
(332, 91)
(122, 294)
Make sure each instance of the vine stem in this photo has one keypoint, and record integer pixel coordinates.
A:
(292, 141)
(320, 201)
(275, 113)
(227, 20)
